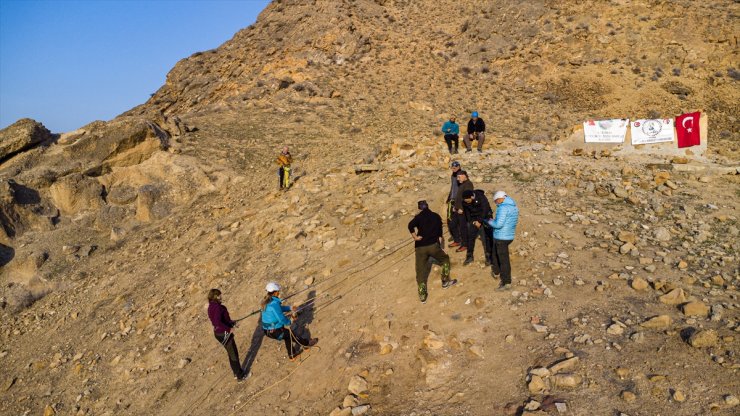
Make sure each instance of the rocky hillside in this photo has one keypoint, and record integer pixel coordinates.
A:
(626, 268)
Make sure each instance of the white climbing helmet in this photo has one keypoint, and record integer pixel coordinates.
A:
(499, 194)
(272, 287)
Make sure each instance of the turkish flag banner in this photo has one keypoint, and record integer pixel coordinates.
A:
(687, 130)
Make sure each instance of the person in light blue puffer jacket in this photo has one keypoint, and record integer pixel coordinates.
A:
(504, 230)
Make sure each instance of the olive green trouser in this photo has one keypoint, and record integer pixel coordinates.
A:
(423, 267)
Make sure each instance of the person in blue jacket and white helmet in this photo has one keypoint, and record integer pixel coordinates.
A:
(504, 230)
(276, 324)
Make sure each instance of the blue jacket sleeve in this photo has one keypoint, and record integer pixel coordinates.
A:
(500, 219)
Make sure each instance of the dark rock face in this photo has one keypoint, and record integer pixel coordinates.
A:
(22, 135)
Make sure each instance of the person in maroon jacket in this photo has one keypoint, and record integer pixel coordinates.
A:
(222, 325)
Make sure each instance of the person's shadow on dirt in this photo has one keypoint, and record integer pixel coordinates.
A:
(254, 347)
(306, 316)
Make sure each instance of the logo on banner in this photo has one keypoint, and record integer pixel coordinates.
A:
(652, 131)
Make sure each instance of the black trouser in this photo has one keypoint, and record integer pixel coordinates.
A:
(453, 222)
(462, 225)
(284, 334)
(482, 232)
(450, 138)
(227, 340)
(500, 263)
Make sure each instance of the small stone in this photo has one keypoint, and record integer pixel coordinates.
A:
(615, 329)
(561, 407)
(566, 380)
(682, 265)
(674, 297)
(679, 396)
(695, 308)
(704, 338)
(308, 281)
(476, 350)
(378, 245)
(350, 400)
(564, 365)
(536, 384)
(628, 396)
(183, 362)
(539, 328)
(639, 283)
(532, 405)
(657, 322)
(731, 400)
(626, 248)
(49, 411)
(627, 237)
(338, 411)
(662, 234)
(357, 385)
(509, 338)
(360, 410)
(621, 372)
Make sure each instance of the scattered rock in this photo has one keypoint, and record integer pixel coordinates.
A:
(657, 322)
(628, 396)
(639, 283)
(566, 380)
(704, 338)
(674, 297)
(565, 365)
(357, 385)
(695, 308)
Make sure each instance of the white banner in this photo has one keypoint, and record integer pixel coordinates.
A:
(605, 131)
(651, 131)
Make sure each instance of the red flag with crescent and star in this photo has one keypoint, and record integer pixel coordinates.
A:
(687, 130)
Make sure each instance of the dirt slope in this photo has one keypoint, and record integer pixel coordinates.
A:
(113, 234)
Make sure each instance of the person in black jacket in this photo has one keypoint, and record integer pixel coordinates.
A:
(477, 211)
(453, 220)
(426, 230)
(476, 131)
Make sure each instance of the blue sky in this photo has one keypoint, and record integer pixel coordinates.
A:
(66, 63)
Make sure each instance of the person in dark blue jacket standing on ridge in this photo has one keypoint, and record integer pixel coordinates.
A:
(277, 326)
(451, 131)
(504, 230)
(476, 131)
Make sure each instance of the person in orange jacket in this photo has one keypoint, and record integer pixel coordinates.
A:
(284, 160)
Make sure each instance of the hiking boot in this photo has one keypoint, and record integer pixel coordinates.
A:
(461, 248)
(480, 151)
(294, 357)
(467, 261)
(468, 150)
(448, 283)
(423, 292)
(456, 152)
(242, 378)
(455, 244)
(495, 275)
(504, 287)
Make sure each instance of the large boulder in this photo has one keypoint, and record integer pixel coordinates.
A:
(22, 135)
(76, 192)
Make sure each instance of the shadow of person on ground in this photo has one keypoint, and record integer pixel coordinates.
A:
(306, 316)
(254, 347)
